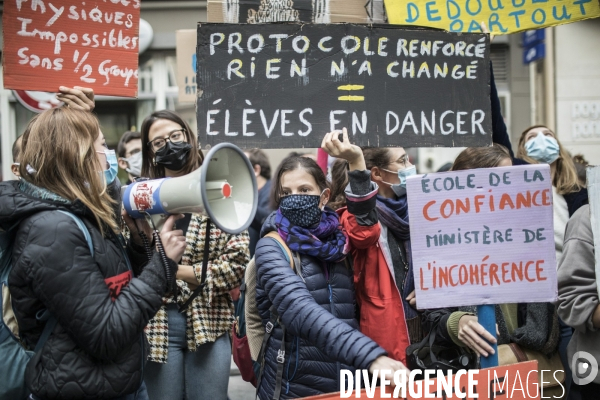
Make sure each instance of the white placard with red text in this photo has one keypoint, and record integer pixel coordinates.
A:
(483, 236)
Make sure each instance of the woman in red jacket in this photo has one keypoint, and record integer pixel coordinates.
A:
(376, 219)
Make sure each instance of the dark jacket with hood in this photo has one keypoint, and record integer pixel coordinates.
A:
(97, 349)
(317, 307)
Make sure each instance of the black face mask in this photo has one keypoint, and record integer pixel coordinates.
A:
(173, 156)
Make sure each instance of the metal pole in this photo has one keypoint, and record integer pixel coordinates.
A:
(532, 92)
(486, 316)
(550, 97)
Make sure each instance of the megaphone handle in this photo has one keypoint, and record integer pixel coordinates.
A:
(147, 246)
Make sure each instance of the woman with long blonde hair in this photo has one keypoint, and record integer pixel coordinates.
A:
(96, 300)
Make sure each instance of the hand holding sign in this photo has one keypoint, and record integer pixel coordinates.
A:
(471, 333)
(78, 98)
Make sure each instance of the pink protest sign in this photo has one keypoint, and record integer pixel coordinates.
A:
(483, 236)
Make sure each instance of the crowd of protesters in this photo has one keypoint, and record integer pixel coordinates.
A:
(127, 325)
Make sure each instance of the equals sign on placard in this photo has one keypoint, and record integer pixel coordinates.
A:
(351, 97)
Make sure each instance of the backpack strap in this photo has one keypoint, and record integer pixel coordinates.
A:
(280, 363)
(45, 315)
(83, 228)
(286, 250)
(263, 347)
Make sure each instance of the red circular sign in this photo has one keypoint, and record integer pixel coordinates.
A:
(37, 101)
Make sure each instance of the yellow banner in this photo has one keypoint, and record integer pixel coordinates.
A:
(501, 16)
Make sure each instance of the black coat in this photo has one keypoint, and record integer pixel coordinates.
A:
(318, 311)
(97, 350)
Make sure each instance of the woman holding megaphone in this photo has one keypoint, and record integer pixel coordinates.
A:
(190, 351)
(71, 285)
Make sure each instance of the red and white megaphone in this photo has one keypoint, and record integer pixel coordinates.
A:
(224, 188)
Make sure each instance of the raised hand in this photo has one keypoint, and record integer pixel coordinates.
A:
(332, 145)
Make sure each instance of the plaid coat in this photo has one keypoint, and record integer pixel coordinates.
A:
(211, 314)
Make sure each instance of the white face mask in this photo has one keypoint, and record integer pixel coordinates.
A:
(135, 164)
(400, 188)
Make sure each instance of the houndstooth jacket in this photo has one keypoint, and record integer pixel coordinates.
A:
(211, 314)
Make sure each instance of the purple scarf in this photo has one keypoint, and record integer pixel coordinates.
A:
(327, 241)
(393, 213)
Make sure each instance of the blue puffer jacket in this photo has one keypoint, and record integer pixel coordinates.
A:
(318, 312)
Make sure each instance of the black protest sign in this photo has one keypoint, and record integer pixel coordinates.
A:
(286, 85)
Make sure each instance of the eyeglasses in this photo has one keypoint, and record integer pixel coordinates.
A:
(176, 136)
(403, 160)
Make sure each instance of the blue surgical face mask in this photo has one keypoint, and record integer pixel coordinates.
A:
(400, 188)
(542, 148)
(113, 166)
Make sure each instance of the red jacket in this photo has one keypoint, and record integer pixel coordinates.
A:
(381, 311)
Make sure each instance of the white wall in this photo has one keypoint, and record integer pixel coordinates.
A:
(578, 83)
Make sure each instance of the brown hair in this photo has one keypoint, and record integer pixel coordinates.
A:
(60, 148)
(339, 181)
(258, 157)
(565, 176)
(480, 157)
(291, 164)
(195, 159)
(376, 157)
(126, 138)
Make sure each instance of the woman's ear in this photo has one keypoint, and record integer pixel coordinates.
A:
(325, 197)
(376, 175)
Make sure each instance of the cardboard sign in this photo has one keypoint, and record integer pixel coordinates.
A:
(55, 43)
(500, 16)
(186, 64)
(483, 236)
(286, 85)
(593, 187)
(514, 382)
(318, 11)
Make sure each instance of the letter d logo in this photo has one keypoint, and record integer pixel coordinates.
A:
(584, 367)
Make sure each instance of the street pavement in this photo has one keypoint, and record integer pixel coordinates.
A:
(240, 390)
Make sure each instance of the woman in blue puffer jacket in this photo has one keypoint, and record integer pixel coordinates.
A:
(315, 303)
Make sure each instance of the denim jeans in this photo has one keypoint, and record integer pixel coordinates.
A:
(192, 375)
